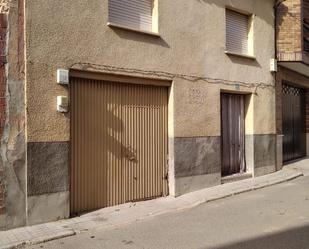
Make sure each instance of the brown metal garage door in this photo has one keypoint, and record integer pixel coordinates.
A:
(118, 143)
(294, 139)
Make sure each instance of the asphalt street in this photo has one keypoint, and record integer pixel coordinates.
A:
(276, 217)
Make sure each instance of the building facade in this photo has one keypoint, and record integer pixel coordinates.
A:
(292, 80)
(153, 98)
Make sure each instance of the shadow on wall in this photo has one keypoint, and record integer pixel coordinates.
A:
(283, 12)
(140, 37)
(244, 61)
(159, 41)
(296, 238)
(235, 59)
(142, 23)
(222, 4)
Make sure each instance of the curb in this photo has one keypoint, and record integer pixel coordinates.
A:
(196, 201)
(39, 240)
(193, 204)
(237, 192)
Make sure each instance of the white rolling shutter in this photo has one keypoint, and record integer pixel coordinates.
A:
(237, 30)
(136, 14)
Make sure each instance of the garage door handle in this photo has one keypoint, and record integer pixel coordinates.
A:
(129, 154)
(131, 158)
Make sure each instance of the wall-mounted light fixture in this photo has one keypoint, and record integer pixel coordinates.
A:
(63, 76)
(273, 65)
(62, 104)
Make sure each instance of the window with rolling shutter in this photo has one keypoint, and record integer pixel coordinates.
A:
(237, 32)
(134, 14)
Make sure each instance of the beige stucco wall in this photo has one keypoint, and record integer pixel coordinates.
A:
(63, 33)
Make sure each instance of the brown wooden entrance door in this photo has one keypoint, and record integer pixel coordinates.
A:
(293, 117)
(118, 143)
(233, 134)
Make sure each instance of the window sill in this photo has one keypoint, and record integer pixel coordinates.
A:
(252, 57)
(113, 25)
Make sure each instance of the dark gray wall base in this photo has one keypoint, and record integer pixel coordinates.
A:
(48, 207)
(48, 167)
(264, 170)
(184, 185)
(202, 155)
(264, 150)
(14, 181)
(261, 153)
(197, 156)
(279, 152)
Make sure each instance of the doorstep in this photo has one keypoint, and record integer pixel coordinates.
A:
(131, 212)
(235, 177)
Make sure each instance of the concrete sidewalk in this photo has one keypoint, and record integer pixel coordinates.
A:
(131, 212)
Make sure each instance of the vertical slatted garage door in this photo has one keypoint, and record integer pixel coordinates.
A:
(118, 143)
(293, 116)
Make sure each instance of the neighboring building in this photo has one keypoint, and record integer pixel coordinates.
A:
(165, 97)
(292, 80)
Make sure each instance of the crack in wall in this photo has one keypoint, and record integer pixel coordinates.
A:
(13, 141)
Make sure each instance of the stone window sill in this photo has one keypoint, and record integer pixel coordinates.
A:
(252, 57)
(114, 25)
